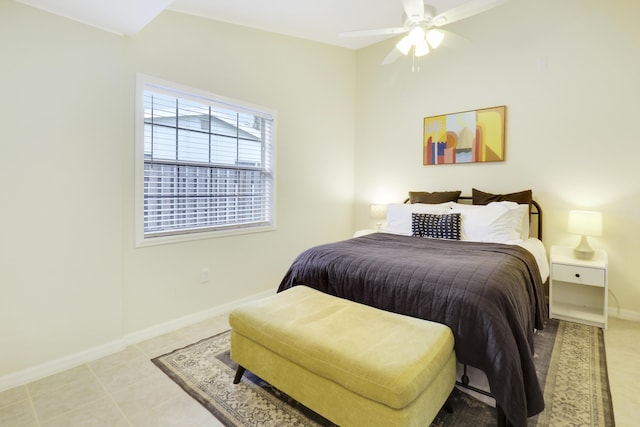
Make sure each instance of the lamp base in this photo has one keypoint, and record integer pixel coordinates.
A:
(583, 250)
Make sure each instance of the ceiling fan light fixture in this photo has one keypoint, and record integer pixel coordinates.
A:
(419, 21)
(421, 49)
(416, 35)
(434, 38)
(404, 45)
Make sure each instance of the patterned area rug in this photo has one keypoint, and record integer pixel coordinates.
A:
(570, 358)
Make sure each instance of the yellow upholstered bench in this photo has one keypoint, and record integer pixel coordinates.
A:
(353, 364)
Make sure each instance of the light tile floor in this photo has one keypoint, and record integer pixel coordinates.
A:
(126, 389)
(123, 389)
(622, 344)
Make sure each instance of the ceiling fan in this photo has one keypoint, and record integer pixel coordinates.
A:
(421, 23)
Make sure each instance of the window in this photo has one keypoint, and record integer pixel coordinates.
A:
(207, 163)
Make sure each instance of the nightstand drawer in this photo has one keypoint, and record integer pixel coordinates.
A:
(575, 274)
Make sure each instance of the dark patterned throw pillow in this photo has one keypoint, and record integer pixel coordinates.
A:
(445, 226)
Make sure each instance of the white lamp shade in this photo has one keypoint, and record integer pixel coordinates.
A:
(416, 35)
(585, 223)
(422, 48)
(435, 37)
(404, 45)
(378, 211)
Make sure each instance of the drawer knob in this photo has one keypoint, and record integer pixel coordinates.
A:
(578, 275)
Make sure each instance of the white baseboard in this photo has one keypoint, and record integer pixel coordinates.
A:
(624, 314)
(43, 370)
(172, 325)
(58, 365)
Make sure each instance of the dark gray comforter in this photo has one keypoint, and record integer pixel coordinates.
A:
(489, 294)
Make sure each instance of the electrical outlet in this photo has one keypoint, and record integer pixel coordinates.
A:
(204, 275)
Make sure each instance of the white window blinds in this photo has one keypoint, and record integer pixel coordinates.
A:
(207, 163)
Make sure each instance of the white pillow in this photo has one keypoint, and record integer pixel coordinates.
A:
(399, 215)
(497, 222)
(524, 221)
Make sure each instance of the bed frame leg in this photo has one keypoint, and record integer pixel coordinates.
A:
(239, 374)
(502, 420)
(465, 377)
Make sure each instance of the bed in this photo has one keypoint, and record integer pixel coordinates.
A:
(488, 290)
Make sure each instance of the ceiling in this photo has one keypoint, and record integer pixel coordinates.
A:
(318, 20)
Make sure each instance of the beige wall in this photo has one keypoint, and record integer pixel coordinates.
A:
(568, 73)
(311, 86)
(71, 279)
(61, 94)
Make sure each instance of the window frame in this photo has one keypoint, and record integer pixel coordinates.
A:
(189, 93)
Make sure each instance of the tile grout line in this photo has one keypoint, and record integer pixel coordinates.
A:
(75, 408)
(33, 406)
(145, 356)
(149, 357)
(109, 396)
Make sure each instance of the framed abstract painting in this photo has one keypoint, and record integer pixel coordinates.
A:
(466, 137)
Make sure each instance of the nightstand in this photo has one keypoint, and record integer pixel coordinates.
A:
(578, 288)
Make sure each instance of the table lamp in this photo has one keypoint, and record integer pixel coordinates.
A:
(584, 223)
(378, 212)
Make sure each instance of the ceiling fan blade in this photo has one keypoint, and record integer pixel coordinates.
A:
(391, 56)
(414, 9)
(465, 10)
(453, 40)
(376, 32)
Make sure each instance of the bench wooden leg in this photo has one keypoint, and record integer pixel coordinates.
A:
(448, 404)
(239, 374)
